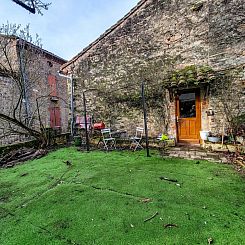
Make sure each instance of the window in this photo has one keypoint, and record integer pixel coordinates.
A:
(52, 85)
(187, 105)
(55, 118)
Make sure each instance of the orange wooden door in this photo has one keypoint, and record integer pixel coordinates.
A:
(188, 116)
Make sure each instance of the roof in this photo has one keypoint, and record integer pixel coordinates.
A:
(35, 46)
(106, 33)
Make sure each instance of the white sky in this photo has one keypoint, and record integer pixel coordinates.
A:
(69, 25)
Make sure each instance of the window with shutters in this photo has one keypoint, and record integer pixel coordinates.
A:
(52, 85)
(55, 118)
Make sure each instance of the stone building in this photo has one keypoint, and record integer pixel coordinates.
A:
(190, 55)
(44, 98)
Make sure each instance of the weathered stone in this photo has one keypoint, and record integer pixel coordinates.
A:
(154, 40)
(42, 64)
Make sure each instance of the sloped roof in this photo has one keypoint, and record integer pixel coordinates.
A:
(46, 52)
(106, 33)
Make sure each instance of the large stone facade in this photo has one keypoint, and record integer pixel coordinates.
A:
(42, 85)
(155, 39)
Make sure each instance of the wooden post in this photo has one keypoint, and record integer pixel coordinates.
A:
(85, 118)
(145, 119)
(223, 131)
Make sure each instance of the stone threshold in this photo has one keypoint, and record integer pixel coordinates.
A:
(194, 152)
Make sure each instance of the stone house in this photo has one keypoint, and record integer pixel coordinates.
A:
(190, 55)
(33, 70)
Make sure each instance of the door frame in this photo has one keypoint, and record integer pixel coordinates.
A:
(198, 114)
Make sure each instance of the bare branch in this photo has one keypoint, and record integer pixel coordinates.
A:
(32, 132)
(33, 5)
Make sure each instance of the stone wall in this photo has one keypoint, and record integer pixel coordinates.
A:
(7, 97)
(40, 64)
(157, 38)
(40, 89)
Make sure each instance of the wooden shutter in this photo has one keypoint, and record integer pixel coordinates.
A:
(55, 117)
(52, 85)
(52, 117)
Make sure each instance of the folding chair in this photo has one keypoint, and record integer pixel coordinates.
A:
(107, 139)
(80, 122)
(136, 140)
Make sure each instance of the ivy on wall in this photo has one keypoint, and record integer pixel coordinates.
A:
(120, 96)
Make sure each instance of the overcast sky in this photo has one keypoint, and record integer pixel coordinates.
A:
(69, 25)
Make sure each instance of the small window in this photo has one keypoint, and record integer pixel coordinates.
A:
(50, 64)
(187, 105)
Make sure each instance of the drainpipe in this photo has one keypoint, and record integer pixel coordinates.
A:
(24, 79)
(145, 118)
(85, 120)
(70, 77)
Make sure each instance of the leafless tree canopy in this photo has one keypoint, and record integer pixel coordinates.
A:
(21, 70)
(230, 100)
(33, 6)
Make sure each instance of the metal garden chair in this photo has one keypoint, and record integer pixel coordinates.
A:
(108, 140)
(136, 140)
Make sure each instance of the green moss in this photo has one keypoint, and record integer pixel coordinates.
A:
(106, 196)
(197, 6)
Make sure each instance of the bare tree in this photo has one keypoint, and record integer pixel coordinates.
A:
(21, 111)
(33, 6)
(229, 93)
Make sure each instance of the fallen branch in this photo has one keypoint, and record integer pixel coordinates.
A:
(170, 225)
(152, 217)
(167, 179)
(14, 155)
(145, 200)
(241, 163)
(115, 191)
(25, 157)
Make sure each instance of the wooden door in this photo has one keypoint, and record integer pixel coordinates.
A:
(188, 116)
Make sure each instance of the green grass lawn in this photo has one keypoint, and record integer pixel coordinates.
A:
(104, 198)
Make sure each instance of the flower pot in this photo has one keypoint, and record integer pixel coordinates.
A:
(204, 135)
(214, 139)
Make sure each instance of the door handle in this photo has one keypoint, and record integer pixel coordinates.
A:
(177, 119)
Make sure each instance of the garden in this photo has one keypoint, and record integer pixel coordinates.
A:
(120, 197)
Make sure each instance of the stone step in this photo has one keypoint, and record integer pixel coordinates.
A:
(194, 154)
